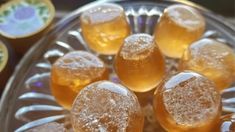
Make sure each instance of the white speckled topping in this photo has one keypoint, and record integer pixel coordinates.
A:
(185, 16)
(215, 57)
(192, 100)
(137, 46)
(102, 13)
(78, 68)
(105, 107)
(79, 59)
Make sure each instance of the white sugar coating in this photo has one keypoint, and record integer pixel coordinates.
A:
(214, 57)
(191, 101)
(176, 80)
(104, 106)
(219, 58)
(78, 67)
(104, 12)
(49, 127)
(79, 59)
(217, 49)
(185, 16)
(137, 46)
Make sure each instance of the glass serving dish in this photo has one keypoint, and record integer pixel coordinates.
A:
(27, 101)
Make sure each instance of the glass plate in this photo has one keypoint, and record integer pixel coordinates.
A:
(27, 101)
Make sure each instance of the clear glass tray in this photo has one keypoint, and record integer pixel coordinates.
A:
(27, 101)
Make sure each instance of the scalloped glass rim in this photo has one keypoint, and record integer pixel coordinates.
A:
(37, 51)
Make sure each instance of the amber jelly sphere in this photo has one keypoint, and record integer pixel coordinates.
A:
(178, 27)
(211, 58)
(104, 28)
(139, 63)
(106, 107)
(187, 102)
(74, 71)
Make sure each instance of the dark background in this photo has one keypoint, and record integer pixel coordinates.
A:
(222, 7)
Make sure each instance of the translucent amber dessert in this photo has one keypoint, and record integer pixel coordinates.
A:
(104, 28)
(187, 102)
(139, 64)
(49, 127)
(177, 28)
(74, 71)
(106, 107)
(228, 123)
(213, 59)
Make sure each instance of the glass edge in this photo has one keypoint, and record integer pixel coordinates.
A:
(6, 95)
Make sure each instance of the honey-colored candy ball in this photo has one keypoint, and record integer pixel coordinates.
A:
(104, 28)
(106, 107)
(213, 59)
(139, 64)
(187, 102)
(177, 28)
(74, 71)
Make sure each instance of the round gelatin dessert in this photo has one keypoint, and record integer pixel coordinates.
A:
(211, 58)
(178, 27)
(23, 22)
(106, 107)
(187, 102)
(72, 72)
(139, 63)
(104, 27)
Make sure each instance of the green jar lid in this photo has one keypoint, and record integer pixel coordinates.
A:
(24, 18)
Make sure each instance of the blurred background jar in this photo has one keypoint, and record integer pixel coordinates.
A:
(8, 61)
(23, 22)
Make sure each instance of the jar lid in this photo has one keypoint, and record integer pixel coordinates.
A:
(24, 18)
(3, 56)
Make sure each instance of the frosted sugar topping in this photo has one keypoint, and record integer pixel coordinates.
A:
(78, 68)
(102, 13)
(104, 106)
(192, 100)
(79, 59)
(137, 46)
(185, 16)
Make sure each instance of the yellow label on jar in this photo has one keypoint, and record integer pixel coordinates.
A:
(3, 56)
